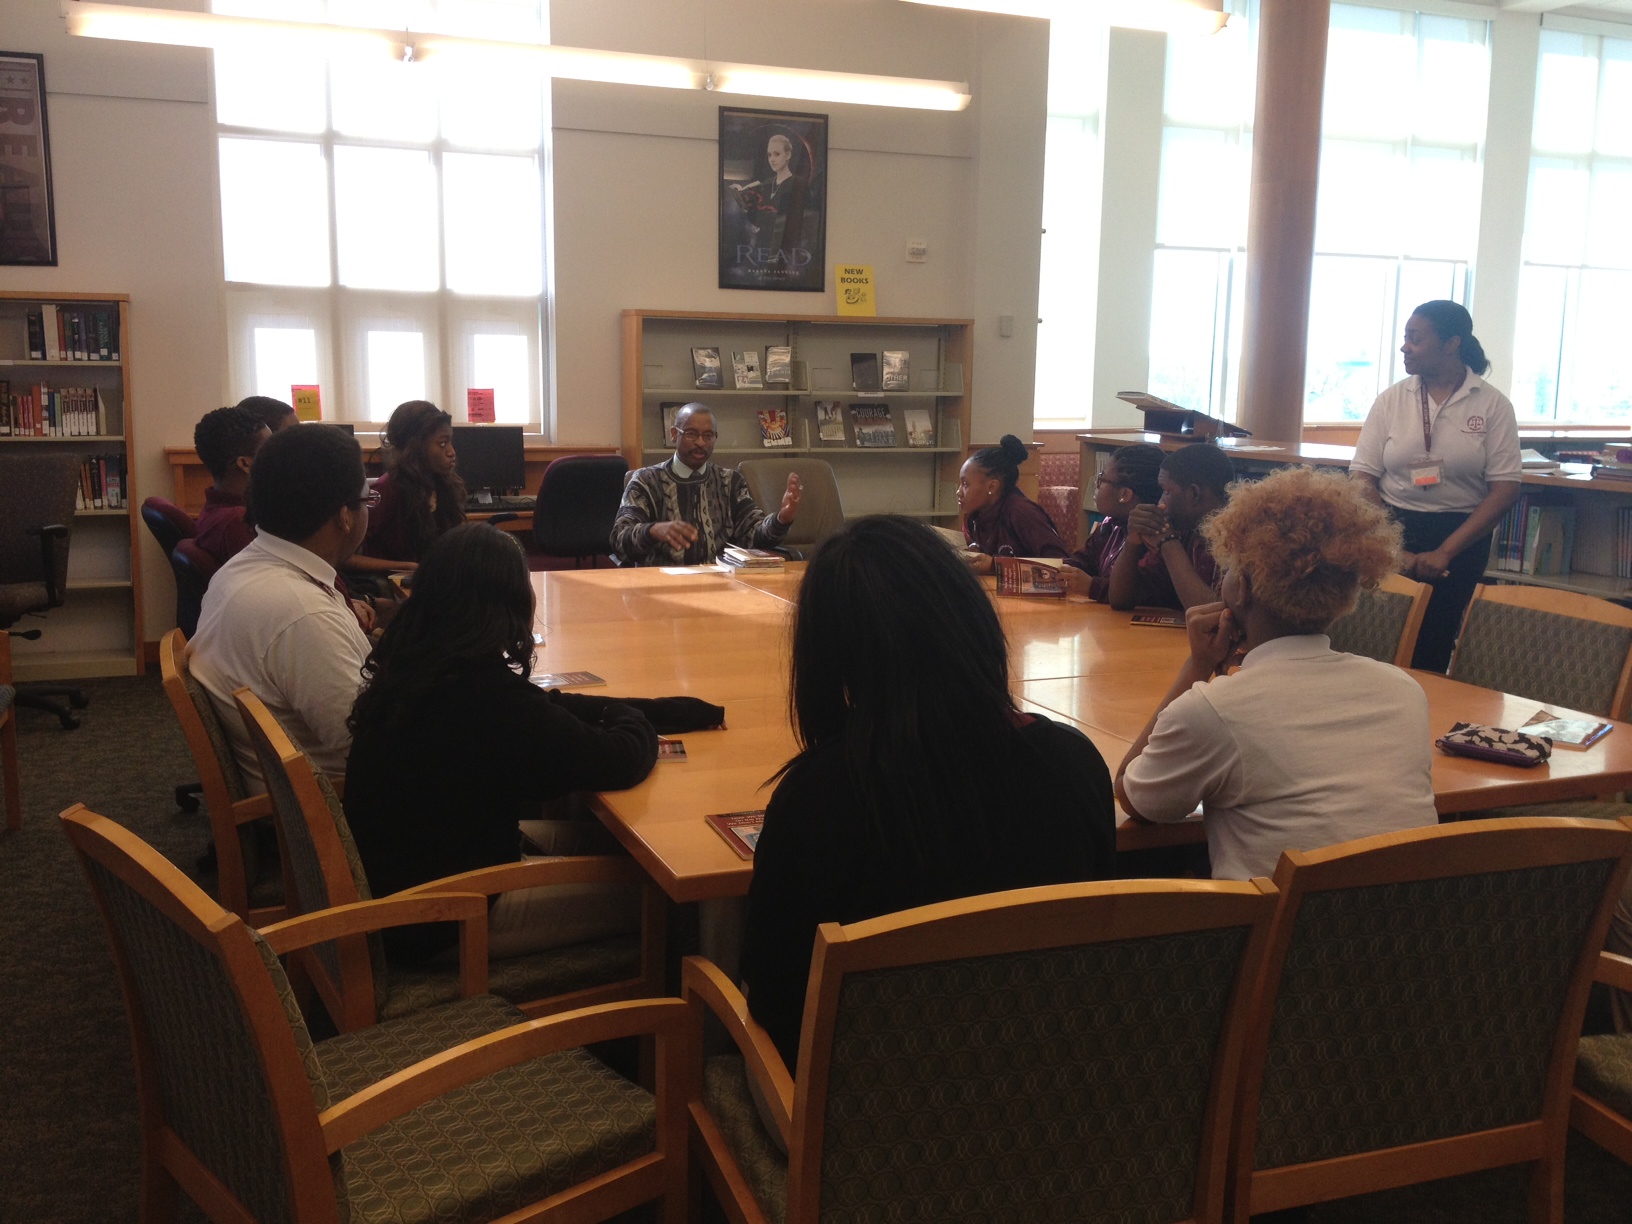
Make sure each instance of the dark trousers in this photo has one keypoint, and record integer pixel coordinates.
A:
(1426, 530)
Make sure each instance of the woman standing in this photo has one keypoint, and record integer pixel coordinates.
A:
(1440, 450)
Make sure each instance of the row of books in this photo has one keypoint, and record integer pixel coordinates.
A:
(61, 333)
(872, 424)
(1537, 536)
(870, 373)
(43, 411)
(101, 483)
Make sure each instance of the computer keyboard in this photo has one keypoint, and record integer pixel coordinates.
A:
(521, 501)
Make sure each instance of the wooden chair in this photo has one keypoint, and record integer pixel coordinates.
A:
(1419, 1010)
(1555, 647)
(1385, 622)
(467, 1111)
(1062, 1050)
(8, 739)
(352, 976)
(226, 798)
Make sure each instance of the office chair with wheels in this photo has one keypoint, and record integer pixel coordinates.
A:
(577, 500)
(193, 568)
(36, 507)
(168, 522)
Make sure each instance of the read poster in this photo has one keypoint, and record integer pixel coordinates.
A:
(773, 200)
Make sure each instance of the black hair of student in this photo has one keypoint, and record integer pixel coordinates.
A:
(273, 412)
(1449, 319)
(409, 430)
(899, 659)
(224, 435)
(1003, 460)
(472, 605)
(1139, 466)
(302, 478)
(1200, 463)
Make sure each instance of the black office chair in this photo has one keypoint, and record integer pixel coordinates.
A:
(37, 494)
(168, 522)
(577, 501)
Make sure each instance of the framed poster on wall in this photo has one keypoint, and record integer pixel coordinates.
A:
(773, 200)
(28, 226)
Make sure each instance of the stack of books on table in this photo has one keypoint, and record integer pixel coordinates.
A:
(1615, 463)
(751, 558)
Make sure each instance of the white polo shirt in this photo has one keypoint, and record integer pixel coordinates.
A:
(1474, 433)
(1303, 747)
(273, 622)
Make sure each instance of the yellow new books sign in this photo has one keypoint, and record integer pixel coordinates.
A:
(853, 284)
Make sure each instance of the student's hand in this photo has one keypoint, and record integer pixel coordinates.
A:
(1432, 566)
(1148, 524)
(364, 613)
(675, 533)
(979, 562)
(790, 499)
(1408, 563)
(1077, 582)
(1214, 637)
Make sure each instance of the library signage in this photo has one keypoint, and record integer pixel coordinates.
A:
(773, 200)
(28, 228)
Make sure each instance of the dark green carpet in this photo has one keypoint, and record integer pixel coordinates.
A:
(68, 1139)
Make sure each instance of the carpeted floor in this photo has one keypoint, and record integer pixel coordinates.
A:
(68, 1140)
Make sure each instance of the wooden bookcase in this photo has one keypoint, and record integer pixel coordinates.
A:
(920, 481)
(98, 630)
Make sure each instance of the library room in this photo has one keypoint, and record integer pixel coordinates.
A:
(653, 610)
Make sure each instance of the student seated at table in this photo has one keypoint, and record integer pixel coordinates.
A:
(421, 493)
(226, 441)
(452, 747)
(917, 779)
(274, 413)
(685, 510)
(998, 519)
(1303, 747)
(1166, 562)
(1129, 479)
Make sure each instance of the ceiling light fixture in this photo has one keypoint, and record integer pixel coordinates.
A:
(215, 30)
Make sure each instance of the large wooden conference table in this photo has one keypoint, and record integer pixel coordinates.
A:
(724, 637)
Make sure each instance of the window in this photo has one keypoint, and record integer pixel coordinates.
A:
(382, 224)
(1575, 279)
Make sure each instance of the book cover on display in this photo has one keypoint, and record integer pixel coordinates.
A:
(745, 370)
(779, 364)
(1027, 576)
(864, 372)
(896, 370)
(774, 429)
(705, 366)
(829, 421)
(872, 424)
(669, 408)
(1575, 733)
(920, 426)
(739, 829)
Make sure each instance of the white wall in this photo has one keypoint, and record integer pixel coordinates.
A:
(635, 180)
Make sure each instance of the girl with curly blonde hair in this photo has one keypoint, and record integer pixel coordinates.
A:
(1302, 747)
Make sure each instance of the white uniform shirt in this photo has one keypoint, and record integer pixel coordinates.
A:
(1302, 748)
(274, 623)
(1474, 434)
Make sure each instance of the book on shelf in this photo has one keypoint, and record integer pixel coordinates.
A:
(1576, 733)
(739, 829)
(751, 558)
(101, 483)
(896, 375)
(829, 421)
(745, 370)
(73, 333)
(1028, 576)
(920, 426)
(705, 368)
(778, 364)
(40, 410)
(669, 408)
(872, 424)
(864, 372)
(1537, 535)
(774, 427)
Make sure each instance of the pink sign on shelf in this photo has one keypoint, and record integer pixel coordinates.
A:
(479, 405)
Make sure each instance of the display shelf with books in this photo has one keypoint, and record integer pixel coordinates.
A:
(85, 410)
(884, 400)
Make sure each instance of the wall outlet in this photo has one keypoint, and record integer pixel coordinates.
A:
(917, 250)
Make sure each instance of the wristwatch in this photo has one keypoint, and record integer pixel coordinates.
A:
(1169, 538)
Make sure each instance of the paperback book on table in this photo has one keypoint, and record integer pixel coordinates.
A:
(872, 424)
(739, 829)
(1028, 576)
(751, 558)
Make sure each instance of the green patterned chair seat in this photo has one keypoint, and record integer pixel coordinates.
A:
(520, 978)
(1373, 629)
(1603, 1070)
(1545, 656)
(764, 1165)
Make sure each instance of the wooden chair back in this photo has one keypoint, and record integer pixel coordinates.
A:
(8, 739)
(1385, 622)
(320, 868)
(226, 1101)
(225, 795)
(1419, 1009)
(1558, 647)
(1098, 1025)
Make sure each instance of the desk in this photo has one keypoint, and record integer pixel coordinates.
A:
(724, 637)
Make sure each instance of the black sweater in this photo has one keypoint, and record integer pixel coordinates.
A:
(1052, 822)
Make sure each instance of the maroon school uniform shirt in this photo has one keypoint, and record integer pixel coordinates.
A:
(1098, 553)
(1154, 588)
(1015, 526)
(222, 530)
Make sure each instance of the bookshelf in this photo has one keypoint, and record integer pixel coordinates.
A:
(920, 481)
(98, 630)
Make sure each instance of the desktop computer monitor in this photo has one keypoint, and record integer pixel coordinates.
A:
(491, 457)
(343, 426)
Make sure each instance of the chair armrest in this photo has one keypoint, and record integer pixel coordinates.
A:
(1614, 970)
(704, 986)
(535, 873)
(432, 1077)
(53, 560)
(366, 917)
(253, 808)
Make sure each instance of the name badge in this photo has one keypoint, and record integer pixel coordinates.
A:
(1425, 470)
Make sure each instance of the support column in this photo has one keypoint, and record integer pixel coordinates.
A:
(1281, 216)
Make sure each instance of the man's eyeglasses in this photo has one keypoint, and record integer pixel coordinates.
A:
(1103, 479)
(695, 435)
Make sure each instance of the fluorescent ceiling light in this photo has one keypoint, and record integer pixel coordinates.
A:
(1168, 16)
(215, 30)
